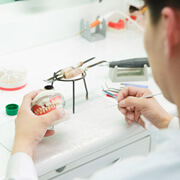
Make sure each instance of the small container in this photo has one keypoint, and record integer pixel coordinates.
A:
(12, 109)
(12, 78)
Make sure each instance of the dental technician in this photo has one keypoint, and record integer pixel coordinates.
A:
(162, 42)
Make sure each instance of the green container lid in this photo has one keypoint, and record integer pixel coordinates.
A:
(12, 109)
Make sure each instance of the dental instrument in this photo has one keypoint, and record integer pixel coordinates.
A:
(143, 97)
(110, 94)
(79, 64)
(114, 90)
(150, 96)
(130, 63)
(135, 69)
(133, 85)
(72, 71)
(123, 85)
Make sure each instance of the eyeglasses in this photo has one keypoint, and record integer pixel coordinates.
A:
(144, 10)
(132, 9)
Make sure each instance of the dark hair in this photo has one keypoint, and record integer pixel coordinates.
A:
(156, 7)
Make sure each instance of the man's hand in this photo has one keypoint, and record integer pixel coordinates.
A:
(133, 107)
(29, 128)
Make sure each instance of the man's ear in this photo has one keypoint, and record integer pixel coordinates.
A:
(171, 18)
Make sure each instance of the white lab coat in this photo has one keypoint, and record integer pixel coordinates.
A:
(163, 163)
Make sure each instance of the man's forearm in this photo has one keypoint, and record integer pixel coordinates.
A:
(21, 145)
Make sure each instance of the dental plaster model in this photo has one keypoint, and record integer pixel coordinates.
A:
(47, 101)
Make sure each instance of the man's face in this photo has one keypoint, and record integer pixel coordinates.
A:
(154, 39)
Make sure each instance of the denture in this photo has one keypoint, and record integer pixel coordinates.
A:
(47, 101)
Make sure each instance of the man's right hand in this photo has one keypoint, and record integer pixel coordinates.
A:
(30, 129)
(133, 107)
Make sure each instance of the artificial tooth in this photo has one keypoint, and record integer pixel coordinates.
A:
(57, 106)
(47, 104)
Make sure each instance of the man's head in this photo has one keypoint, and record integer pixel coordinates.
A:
(157, 6)
(162, 43)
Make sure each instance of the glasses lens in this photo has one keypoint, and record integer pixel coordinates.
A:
(132, 9)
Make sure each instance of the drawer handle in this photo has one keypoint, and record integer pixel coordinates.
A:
(117, 161)
(60, 169)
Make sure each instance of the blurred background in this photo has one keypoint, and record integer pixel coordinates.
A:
(28, 23)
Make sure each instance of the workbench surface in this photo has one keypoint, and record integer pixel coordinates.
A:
(95, 125)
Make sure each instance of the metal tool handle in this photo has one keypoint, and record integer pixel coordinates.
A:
(130, 63)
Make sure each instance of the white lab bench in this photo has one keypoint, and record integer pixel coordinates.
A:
(97, 134)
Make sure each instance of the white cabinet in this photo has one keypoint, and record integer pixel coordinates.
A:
(4, 157)
(84, 169)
